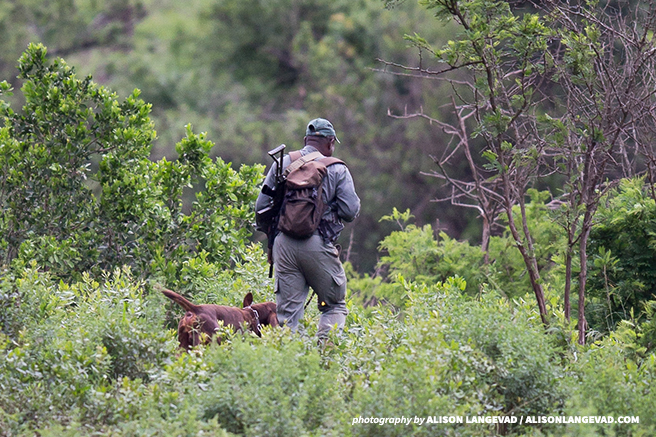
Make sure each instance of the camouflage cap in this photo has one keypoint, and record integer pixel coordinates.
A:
(321, 127)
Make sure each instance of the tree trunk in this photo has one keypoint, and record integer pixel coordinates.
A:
(583, 274)
(485, 243)
(531, 267)
(569, 256)
(568, 283)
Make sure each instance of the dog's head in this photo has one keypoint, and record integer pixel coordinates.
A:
(264, 314)
(267, 313)
(189, 333)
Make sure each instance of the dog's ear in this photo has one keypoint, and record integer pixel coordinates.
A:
(248, 300)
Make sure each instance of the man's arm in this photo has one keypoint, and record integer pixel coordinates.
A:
(346, 199)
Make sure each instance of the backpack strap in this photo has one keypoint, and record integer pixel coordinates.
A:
(299, 160)
(329, 160)
(298, 163)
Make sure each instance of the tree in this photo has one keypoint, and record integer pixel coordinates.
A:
(605, 64)
(480, 193)
(80, 194)
(499, 60)
(567, 89)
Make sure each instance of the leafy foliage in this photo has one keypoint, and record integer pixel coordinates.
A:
(73, 342)
(418, 254)
(93, 357)
(607, 383)
(80, 194)
(87, 352)
(622, 249)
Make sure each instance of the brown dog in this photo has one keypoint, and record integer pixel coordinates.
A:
(203, 319)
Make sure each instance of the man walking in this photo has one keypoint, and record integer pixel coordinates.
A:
(314, 261)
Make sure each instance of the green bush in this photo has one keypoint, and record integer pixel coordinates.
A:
(74, 342)
(622, 252)
(94, 357)
(250, 274)
(448, 355)
(81, 195)
(419, 255)
(604, 382)
(276, 387)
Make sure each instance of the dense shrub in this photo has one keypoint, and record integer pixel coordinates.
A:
(447, 355)
(74, 342)
(622, 252)
(605, 382)
(94, 357)
(421, 255)
(272, 389)
(81, 195)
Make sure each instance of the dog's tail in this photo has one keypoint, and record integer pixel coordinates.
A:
(175, 297)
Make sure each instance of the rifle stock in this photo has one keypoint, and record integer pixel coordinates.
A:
(269, 214)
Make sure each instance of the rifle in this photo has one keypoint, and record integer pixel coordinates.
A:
(268, 215)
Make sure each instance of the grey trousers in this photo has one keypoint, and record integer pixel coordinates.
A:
(300, 264)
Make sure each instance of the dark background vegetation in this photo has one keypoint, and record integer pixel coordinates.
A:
(251, 74)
